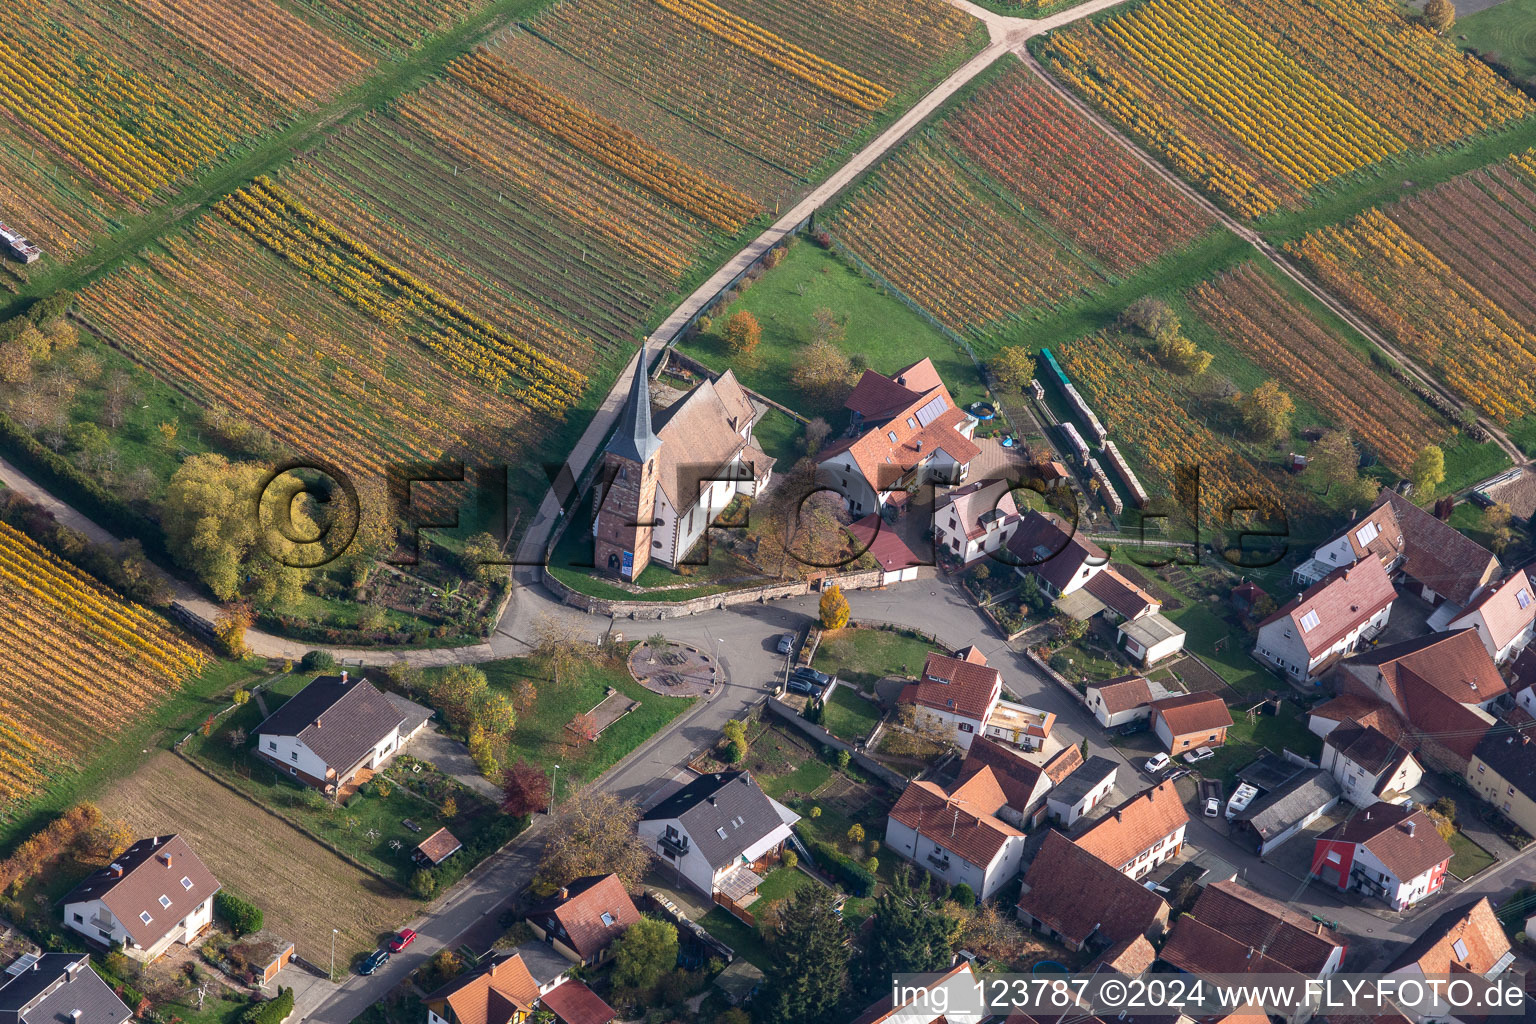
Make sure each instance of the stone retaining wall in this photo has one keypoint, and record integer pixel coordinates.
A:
(621, 609)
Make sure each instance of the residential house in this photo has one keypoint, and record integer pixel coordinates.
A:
(884, 543)
(1503, 772)
(333, 734)
(499, 992)
(1122, 700)
(957, 836)
(953, 998)
(48, 988)
(1307, 634)
(1362, 710)
(955, 695)
(1444, 565)
(1503, 614)
(1370, 766)
(574, 1003)
(904, 431)
(1072, 897)
(975, 521)
(155, 893)
(1441, 685)
(1233, 930)
(661, 487)
(1024, 782)
(1389, 852)
(716, 832)
(582, 920)
(1190, 720)
(1047, 547)
(1147, 635)
(1466, 939)
(1140, 833)
(1083, 790)
(1280, 813)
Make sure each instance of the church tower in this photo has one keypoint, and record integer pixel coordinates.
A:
(622, 534)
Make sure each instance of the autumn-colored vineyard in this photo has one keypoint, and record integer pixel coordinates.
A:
(1447, 275)
(604, 141)
(1261, 100)
(392, 24)
(1011, 206)
(1143, 407)
(473, 346)
(1254, 317)
(77, 663)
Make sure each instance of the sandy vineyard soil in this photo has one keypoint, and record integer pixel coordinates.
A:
(303, 889)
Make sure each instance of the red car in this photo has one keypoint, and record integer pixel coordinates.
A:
(399, 942)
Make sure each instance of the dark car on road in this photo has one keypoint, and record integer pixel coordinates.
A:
(801, 686)
(810, 675)
(786, 643)
(378, 958)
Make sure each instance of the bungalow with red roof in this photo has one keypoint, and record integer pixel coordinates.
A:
(1074, 898)
(1122, 700)
(976, 520)
(957, 836)
(905, 430)
(1441, 685)
(502, 991)
(1370, 766)
(583, 919)
(1503, 614)
(1190, 720)
(1328, 620)
(898, 562)
(1391, 853)
(1141, 833)
(1466, 939)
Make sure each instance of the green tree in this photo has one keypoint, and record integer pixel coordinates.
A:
(742, 333)
(808, 975)
(822, 371)
(209, 525)
(1427, 472)
(242, 917)
(1013, 366)
(911, 933)
(646, 951)
(457, 692)
(1151, 316)
(1181, 354)
(827, 327)
(1440, 15)
(834, 608)
(1069, 630)
(593, 834)
(1266, 411)
(1333, 462)
(482, 559)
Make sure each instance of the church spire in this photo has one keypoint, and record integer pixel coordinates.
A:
(633, 439)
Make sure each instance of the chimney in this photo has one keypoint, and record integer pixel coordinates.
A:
(74, 1014)
(565, 893)
(343, 677)
(1409, 826)
(317, 722)
(919, 444)
(165, 857)
(154, 840)
(117, 870)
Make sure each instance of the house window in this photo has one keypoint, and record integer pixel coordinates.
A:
(186, 883)
(271, 744)
(1522, 597)
(144, 916)
(1460, 949)
(967, 727)
(720, 832)
(607, 919)
(165, 901)
(1481, 768)
(1309, 622)
(78, 918)
(1511, 790)
(1367, 533)
(892, 435)
(293, 755)
(104, 933)
(911, 423)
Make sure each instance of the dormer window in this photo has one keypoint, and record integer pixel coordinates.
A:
(186, 883)
(144, 916)
(165, 901)
(1310, 621)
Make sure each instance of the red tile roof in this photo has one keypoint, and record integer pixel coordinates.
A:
(1018, 776)
(1405, 841)
(1367, 746)
(574, 1003)
(962, 823)
(1367, 711)
(1437, 554)
(884, 542)
(1123, 693)
(1508, 608)
(1234, 930)
(151, 869)
(969, 503)
(891, 407)
(1077, 895)
(1192, 713)
(1135, 826)
(1343, 600)
(1455, 663)
(438, 846)
(1120, 595)
(1474, 927)
(1063, 763)
(961, 686)
(581, 912)
(488, 995)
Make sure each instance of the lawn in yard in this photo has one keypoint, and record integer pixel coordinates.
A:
(848, 716)
(541, 735)
(865, 656)
(571, 563)
(779, 437)
(876, 325)
(782, 882)
(741, 937)
(1285, 730)
(1467, 858)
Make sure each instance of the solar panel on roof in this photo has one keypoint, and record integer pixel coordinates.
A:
(930, 412)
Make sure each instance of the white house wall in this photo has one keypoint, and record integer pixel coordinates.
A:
(843, 475)
(291, 752)
(692, 865)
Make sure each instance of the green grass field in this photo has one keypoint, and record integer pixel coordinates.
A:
(878, 326)
(865, 656)
(1505, 33)
(541, 736)
(848, 716)
(1284, 731)
(1467, 858)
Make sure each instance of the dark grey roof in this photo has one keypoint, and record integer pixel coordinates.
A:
(1269, 771)
(542, 961)
(728, 801)
(1277, 811)
(1511, 753)
(416, 715)
(633, 438)
(49, 992)
(1083, 779)
(340, 721)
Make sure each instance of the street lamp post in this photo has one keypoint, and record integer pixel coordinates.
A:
(333, 953)
(554, 788)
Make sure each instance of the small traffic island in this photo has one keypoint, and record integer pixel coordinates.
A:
(674, 669)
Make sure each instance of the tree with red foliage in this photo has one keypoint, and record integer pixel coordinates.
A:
(524, 789)
(584, 726)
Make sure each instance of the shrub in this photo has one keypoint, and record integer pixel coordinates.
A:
(843, 757)
(855, 877)
(242, 917)
(964, 895)
(318, 661)
(423, 884)
(791, 859)
(272, 1011)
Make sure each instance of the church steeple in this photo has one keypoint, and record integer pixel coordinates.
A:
(634, 439)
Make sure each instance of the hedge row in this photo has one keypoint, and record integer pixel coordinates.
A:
(273, 1011)
(856, 878)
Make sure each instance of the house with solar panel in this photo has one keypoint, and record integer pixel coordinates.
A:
(904, 430)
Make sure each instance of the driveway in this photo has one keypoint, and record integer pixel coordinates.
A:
(452, 758)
